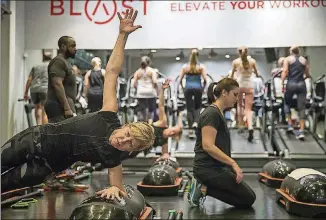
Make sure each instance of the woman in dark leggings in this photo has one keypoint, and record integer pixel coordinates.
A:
(295, 69)
(213, 166)
(94, 83)
(193, 71)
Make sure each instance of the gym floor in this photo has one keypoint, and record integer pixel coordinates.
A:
(59, 205)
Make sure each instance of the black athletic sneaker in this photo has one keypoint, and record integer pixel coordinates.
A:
(251, 135)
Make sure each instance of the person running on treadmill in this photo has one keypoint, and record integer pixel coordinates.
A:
(93, 85)
(32, 155)
(161, 129)
(214, 169)
(194, 71)
(295, 69)
(62, 91)
(38, 84)
(145, 81)
(245, 67)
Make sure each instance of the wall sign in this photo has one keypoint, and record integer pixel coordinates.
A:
(178, 24)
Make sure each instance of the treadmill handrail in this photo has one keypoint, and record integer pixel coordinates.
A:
(320, 78)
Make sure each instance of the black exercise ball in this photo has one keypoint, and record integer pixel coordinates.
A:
(306, 185)
(160, 175)
(278, 168)
(168, 162)
(96, 207)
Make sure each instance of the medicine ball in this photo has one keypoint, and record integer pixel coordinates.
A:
(96, 207)
(306, 185)
(278, 168)
(160, 175)
(168, 162)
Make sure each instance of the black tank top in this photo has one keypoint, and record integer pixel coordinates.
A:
(159, 139)
(96, 81)
(296, 71)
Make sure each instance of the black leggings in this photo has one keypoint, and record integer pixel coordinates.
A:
(95, 102)
(22, 161)
(300, 90)
(147, 106)
(193, 104)
(221, 184)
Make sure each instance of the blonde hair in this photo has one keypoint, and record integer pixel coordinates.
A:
(243, 52)
(193, 60)
(96, 61)
(295, 50)
(142, 132)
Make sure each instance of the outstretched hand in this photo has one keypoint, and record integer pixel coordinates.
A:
(166, 84)
(127, 23)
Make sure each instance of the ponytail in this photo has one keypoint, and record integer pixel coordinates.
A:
(215, 89)
(193, 62)
(210, 92)
(243, 52)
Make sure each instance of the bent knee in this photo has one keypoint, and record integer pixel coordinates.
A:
(247, 200)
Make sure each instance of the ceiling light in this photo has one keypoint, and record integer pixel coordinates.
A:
(227, 56)
(177, 58)
(153, 51)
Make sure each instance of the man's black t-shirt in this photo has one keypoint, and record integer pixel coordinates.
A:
(211, 116)
(60, 67)
(82, 138)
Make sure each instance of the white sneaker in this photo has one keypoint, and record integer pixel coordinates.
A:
(195, 125)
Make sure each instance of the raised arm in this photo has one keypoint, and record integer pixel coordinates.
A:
(114, 65)
(161, 103)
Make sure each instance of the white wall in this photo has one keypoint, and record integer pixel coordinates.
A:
(4, 78)
(17, 76)
(317, 60)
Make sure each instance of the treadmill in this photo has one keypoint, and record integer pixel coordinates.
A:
(308, 153)
(251, 156)
(184, 148)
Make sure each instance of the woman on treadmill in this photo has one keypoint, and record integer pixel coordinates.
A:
(295, 69)
(193, 71)
(245, 67)
(214, 169)
(93, 86)
(145, 81)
